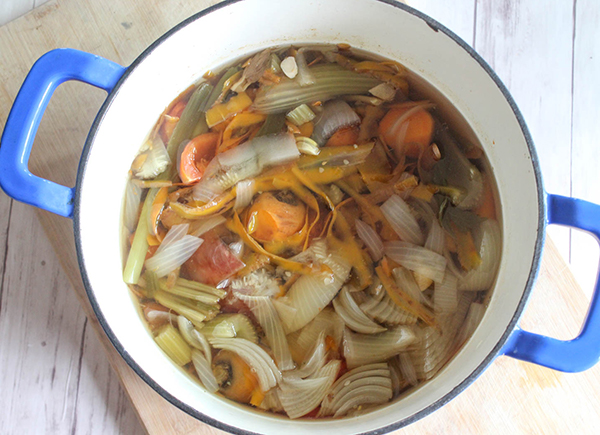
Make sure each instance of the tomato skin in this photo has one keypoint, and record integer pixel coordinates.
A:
(195, 156)
(212, 262)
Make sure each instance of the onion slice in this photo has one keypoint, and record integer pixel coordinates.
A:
(350, 312)
(328, 322)
(433, 348)
(173, 255)
(436, 239)
(407, 368)
(243, 194)
(371, 239)
(301, 396)
(336, 114)
(445, 295)
(204, 371)
(399, 214)
(360, 349)
(245, 161)
(176, 233)
(368, 384)
(255, 356)
(205, 225)
(311, 293)
(417, 259)
(193, 337)
(483, 277)
(313, 362)
(263, 309)
(406, 281)
(383, 310)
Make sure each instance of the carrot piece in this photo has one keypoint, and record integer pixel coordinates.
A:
(407, 135)
(487, 206)
(276, 216)
(195, 157)
(343, 137)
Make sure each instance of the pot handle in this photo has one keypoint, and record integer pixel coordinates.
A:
(582, 352)
(50, 70)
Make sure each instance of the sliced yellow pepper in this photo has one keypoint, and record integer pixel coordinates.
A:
(235, 225)
(348, 249)
(403, 300)
(221, 112)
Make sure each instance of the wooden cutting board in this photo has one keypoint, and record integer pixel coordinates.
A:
(510, 397)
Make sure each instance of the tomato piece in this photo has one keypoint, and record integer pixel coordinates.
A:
(195, 156)
(212, 262)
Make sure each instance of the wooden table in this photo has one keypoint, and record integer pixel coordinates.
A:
(54, 373)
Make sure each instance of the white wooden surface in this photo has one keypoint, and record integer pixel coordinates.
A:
(54, 377)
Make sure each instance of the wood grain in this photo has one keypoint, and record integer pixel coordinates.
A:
(585, 134)
(37, 306)
(520, 42)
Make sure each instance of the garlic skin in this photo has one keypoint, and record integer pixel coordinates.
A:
(289, 67)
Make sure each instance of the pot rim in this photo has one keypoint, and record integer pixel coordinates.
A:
(496, 351)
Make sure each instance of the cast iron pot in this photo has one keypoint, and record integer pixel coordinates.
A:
(138, 94)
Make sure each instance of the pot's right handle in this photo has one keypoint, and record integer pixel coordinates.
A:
(582, 352)
(52, 69)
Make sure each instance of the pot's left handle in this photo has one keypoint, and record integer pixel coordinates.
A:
(583, 351)
(52, 69)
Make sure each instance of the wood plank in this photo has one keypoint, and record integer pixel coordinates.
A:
(40, 333)
(585, 134)
(458, 16)
(531, 52)
(48, 356)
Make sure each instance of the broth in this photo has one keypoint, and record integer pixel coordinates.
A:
(312, 232)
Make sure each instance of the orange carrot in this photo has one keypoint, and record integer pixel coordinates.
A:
(275, 217)
(407, 135)
(195, 157)
(343, 137)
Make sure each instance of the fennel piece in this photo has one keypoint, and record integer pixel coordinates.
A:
(193, 112)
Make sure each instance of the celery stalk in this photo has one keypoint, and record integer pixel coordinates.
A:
(230, 325)
(195, 285)
(152, 284)
(173, 344)
(188, 293)
(300, 115)
(193, 112)
(137, 253)
(195, 311)
(331, 80)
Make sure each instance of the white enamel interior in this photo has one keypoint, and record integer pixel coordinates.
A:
(248, 26)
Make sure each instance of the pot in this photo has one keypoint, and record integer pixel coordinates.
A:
(431, 51)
